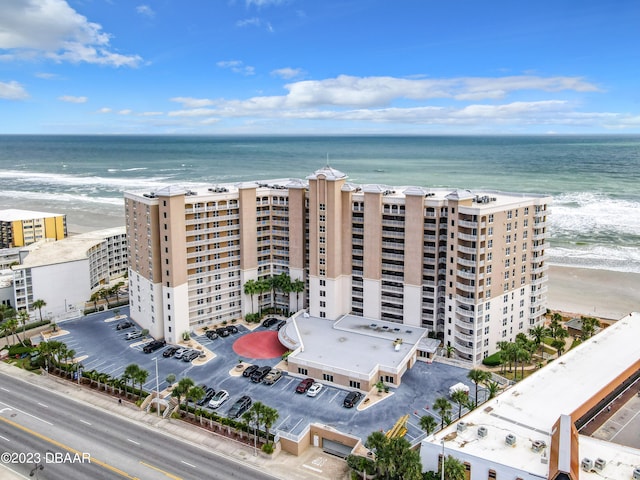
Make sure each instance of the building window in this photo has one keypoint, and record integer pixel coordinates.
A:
(303, 371)
(327, 378)
(323, 207)
(354, 384)
(323, 315)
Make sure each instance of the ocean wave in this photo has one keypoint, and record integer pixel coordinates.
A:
(134, 169)
(44, 197)
(587, 213)
(598, 257)
(61, 179)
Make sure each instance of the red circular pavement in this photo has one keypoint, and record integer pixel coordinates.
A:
(259, 345)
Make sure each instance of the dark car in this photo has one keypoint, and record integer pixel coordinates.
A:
(232, 329)
(281, 324)
(351, 399)
(249, 370)
(258, 375)
(208, 395)
(153, 346)
(124, 325)
(241, 406)
(170, 352)
(269, 322)
(189, 356)
(211, 335)
(304, 385)
(222, 332)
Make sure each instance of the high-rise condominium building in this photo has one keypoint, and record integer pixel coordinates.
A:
(19, 228)
(467, 266)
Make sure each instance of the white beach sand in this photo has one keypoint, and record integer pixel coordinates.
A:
(597, 293)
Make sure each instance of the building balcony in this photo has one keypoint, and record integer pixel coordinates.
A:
(463, 348)
(468, 250)
(539, 236)
(468, 223)
(538, 281)
(391, 234)
(539, 269)
(392, 256)
(469, 263)
(465, 312)
(467, 237)
(463, 336)
(430, 237)
(465, 288)
(465, 300)
(393, 278)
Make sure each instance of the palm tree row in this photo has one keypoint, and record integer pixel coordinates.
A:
(106, 294)
(273, 284)
(134, 374)
(260, 414)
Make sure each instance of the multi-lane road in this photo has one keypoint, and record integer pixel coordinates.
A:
(49, 436)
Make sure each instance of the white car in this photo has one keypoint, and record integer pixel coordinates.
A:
(314, 389)
(218, 399)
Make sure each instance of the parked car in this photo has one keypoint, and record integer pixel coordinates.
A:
(304, 385)
(258, 375)
(211, 334)
(218, 399)
(124, 325)
(314, 389)
(180, 352)
(269, 322)
(133, 335)
(351, 399)
(170, 352)
(190, 356)
(240, 406)
(272, 377)
(281, 324)
(232, 329)
(249, 370)
(153, 346)
(208, 395)
(222, 331)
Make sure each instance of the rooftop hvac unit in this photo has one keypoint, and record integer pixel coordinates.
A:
(587, 464)
(636, 473)
(461, 426)
(510, 439)
(599, 464)
(482, 432)
(538, 445)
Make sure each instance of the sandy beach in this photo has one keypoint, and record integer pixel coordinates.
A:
(597, 293)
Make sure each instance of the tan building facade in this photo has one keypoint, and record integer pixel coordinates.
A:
(469, 267)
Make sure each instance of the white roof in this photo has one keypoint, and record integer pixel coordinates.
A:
(530, 408)
(14, 214)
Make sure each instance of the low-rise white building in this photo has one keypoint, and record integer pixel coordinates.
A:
(64, 273)
(531, 430)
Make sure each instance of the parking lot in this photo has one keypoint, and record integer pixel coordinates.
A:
(105, 349)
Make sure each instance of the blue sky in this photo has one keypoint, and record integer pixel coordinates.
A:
(319, 67)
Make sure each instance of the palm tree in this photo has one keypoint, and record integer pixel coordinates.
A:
(443, 407)
(477, 376)
(194, 394)
(95, 296)
(297, 287)
(460, 397)
(39, 303)
(589, 325)
(130, 374)
(269, 417)
(71, 354)
(23, 318)
(182, 388)
(559, 345)
(454, 469)
(104, 293)
(263, 286)
(6, 312)
(10, 326)
(428, 424)
(537, 333)
(449, 349)
(251, 288)
(141, 377)
(283, 283)
(493, 388)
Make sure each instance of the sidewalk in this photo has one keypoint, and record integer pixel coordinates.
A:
(312, 464)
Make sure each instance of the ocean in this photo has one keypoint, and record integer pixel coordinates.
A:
(594, 180)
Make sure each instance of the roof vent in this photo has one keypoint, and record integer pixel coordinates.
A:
(461, 426)
(599, 464)
(482, 432)
(510, 439)
(587, 464)
(538, 445)
(636, 473)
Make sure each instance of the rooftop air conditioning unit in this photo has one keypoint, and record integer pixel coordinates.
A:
(510, 439)
(461, 426)
(636, 473)
(599, 464)
(482, 432)
(538, 445)
(587, 464)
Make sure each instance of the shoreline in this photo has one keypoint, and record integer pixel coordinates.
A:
(605, 294)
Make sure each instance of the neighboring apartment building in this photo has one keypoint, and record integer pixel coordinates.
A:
(469, 266)
(532, 430)
(19, 228)
(64, 273)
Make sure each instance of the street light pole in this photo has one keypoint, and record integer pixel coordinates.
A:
(442, 469)
(157, 388)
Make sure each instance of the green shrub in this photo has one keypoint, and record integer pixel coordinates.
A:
(267, 448)
(492, 360)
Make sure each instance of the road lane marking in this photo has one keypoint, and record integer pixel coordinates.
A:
(85, 422)
(67, 448)
(43, 405)
(5, 438)
(170, 475)
(132, 441)
(6, 390)
(33, 416)
(187, 463)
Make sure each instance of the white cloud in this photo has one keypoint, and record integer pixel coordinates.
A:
(287, 73)
(72, 99)
(104, 110)
(196, 112)
(145, 10)
(253, 22)
(51, 28)
(151, 114)
(12, 91)
(125, 111)
(237, 66)
(264, 3)
(188, 102)
(46, 76)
